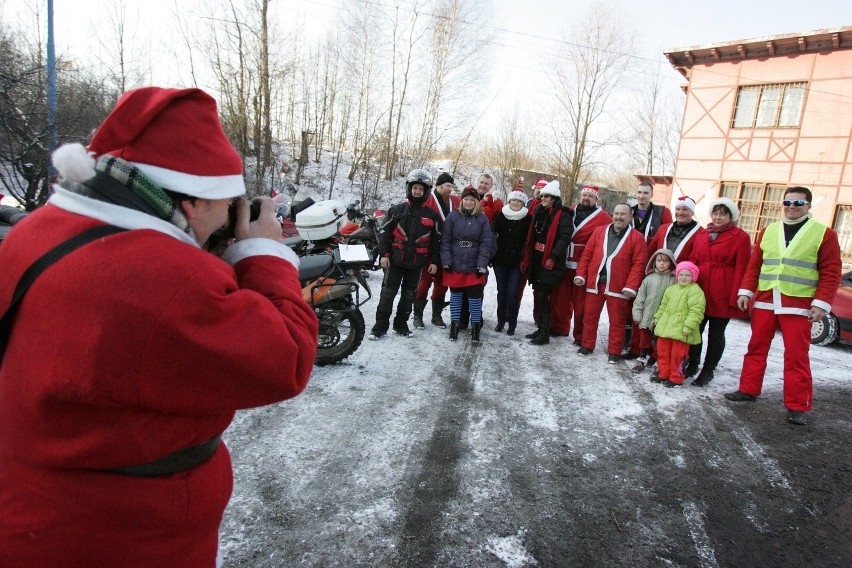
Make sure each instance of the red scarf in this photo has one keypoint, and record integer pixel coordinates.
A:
(713, 231)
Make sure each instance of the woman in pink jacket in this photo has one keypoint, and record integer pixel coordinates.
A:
(721, 255)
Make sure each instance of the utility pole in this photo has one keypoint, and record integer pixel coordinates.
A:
(51, 87)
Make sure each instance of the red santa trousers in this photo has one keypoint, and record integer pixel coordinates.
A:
(439, 291)
(671, 353)
(796, 333)
(560, 306)
(578, 303)
(616, 309)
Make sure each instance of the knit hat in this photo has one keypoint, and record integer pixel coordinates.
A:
(591, 189)
(470, 191)
(445, 178)
(539, 183)
(729, 205)
(685, 201)
(552, 188)
(173, 136)
(519, 195)
(686, 265)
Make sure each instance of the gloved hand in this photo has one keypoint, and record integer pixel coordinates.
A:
(482, 270)
(549, 264)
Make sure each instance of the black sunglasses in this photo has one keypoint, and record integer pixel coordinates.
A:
(796, 202)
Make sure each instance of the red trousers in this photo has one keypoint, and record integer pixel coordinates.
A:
(671, 354)
(439, 291)
(560, 306)
(796, 333)
(616, 309)
(645, 338)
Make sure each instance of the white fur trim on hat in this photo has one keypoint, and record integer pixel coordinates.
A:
(552, 188)
(591, 189)
(729, 203)
(685, 201)
(74, 163)
(519, 195)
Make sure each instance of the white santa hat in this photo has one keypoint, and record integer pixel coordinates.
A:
(685, 201)
(552, 188)
(729, 205)
(173, 136)
(519, 195)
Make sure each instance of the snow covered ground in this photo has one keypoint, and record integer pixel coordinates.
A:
(423, 452)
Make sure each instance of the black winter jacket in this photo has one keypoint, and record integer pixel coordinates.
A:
(411, 236)
(511, 236)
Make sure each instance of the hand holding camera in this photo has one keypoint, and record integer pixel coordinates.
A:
(255, 220)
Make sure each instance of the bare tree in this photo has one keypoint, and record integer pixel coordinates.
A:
(118, 52)
(591, 68)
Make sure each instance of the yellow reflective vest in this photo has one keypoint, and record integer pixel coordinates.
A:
(791, 269)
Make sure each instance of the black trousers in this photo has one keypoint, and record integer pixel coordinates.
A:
(396, 276)
(715, 343)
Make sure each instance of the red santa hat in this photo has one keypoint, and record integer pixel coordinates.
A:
(173, 136)
(591, 190)
(685, 201)
(539, 183)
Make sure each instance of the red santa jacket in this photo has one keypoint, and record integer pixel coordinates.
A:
(583, 232)
(721, 265)
(432, 203)
(828, 264)
(122, 352)
(491, 206)
(625, 268)
(683, 250)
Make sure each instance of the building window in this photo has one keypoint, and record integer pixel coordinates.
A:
(759, 203)
(769, 106)
(843, 227)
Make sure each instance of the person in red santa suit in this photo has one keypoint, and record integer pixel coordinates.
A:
(127, 357)
(792, 276)
(611, 268)
(442, 202)
(570, 299)
(679, 237)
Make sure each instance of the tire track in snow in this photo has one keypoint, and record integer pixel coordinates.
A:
(439, 478)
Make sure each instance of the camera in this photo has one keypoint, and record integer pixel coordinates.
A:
(228, 232)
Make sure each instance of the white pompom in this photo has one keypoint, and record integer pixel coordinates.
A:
(73, 163)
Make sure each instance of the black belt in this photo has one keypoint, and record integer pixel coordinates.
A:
(176, 462)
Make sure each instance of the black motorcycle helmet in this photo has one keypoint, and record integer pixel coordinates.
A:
(422, 177)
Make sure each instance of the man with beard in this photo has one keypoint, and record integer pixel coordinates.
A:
(443, 203)
(611, 269)
(569, 297)
(678, 237)
(409, 241)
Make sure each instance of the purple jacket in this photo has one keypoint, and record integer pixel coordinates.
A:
(467, 242)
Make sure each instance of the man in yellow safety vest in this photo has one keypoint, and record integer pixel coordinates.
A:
(792, 276)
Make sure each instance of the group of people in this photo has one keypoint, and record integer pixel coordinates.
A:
(662, 277)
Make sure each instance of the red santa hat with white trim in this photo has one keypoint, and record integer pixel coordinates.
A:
(173, 136)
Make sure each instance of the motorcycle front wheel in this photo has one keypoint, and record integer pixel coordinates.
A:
(340, 334)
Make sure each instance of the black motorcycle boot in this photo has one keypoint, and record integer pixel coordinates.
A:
(475, 328)
(534, 334)
(543, 332)
(437, 308)
(454, 330)
(419, 306)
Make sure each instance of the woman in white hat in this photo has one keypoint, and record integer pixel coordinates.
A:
(721, 255)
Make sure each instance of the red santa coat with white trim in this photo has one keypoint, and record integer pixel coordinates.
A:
(432, 203)
(491, 206)
(125, 351)
(828, 265)
(721, 266)
(583, 232)
(683, 251)
(625, 268)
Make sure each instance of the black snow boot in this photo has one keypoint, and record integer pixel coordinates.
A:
(511, 329)
(534, 334)
(419, 306)
(437, 308)
(500, 324)
(454, 330)
(703, 378)
(475, 328)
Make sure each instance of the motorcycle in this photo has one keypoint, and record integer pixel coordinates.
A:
(332, 272)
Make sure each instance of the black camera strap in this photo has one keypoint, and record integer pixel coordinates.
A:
(36, 268)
